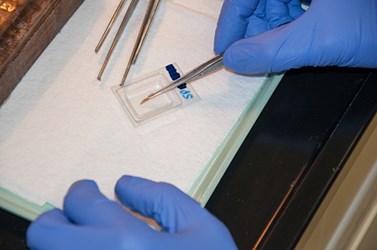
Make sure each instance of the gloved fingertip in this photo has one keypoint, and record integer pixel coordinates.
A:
(79, 193)
(122, 186)
(248, 57)
(127, 184)
(218, 51)
(219, 45)
(127, 178)
(85, 183)
(234, 59)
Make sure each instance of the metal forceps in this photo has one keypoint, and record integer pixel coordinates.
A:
(193, 75)
(147, 20)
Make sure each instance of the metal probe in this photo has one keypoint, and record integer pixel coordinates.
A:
(148, 18)
(125, 20)
(201, 70)
(109, 25)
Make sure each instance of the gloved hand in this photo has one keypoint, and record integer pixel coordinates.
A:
(91, 221)
(263, 36)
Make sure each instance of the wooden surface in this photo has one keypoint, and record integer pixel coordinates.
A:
(9, 10)
(25, 34)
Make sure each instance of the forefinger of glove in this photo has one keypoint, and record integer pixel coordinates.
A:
(233, 21)
(169, 206)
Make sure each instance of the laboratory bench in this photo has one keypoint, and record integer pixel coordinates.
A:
(287, 163)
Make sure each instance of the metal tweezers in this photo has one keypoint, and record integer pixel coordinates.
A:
(148, 18)
(193, 75)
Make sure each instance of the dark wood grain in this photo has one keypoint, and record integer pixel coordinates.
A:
(9, 10)
(28, 34)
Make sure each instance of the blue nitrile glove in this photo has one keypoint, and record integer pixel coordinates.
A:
(91, 221)
(263, 36)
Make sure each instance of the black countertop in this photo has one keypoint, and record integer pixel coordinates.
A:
(288, 161)
(292, 155)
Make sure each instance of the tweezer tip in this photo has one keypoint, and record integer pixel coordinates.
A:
(146, 99)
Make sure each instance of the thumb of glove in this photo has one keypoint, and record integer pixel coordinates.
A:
(323, 36)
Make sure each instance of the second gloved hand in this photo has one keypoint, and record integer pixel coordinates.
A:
(91, 221)
(263, 36)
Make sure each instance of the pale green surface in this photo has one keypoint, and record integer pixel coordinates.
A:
(20, 206)
(209, 178)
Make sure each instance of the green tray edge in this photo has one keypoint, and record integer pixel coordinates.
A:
(207, 181)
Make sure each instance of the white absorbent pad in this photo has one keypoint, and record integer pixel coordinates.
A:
(61, 124)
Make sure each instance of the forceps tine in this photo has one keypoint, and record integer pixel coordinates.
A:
(109, 25)
(148, 17)
(126, 17)
(194, 74)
